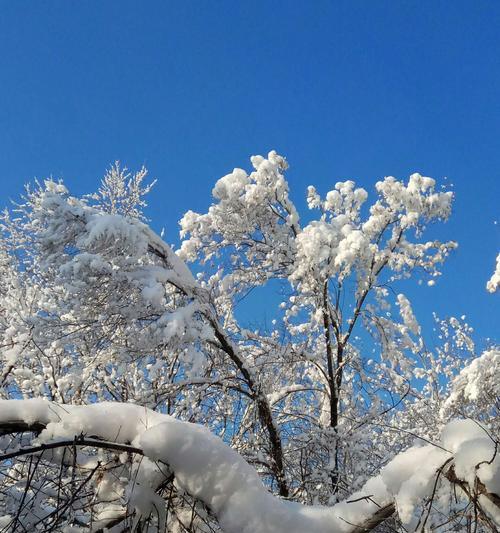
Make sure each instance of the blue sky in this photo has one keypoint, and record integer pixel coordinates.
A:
(345, 90)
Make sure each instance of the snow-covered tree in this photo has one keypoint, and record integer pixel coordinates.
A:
(337, 417)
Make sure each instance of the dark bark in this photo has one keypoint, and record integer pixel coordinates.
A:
(376, 519)
(263, 409)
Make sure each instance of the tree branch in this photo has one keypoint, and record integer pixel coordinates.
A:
(77, 441)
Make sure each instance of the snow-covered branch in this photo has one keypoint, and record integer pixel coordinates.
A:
(212, 472)
(494, 282)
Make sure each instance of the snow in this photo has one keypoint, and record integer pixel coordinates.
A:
(474, 453)
(231, 186)
(410, 476)
(494, 282)
(211, 471)
(407, 314)
(479, 376)
(113, 227)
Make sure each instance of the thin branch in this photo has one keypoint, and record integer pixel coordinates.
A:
(77, 441)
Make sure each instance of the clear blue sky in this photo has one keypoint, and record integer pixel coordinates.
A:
(354, 90)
